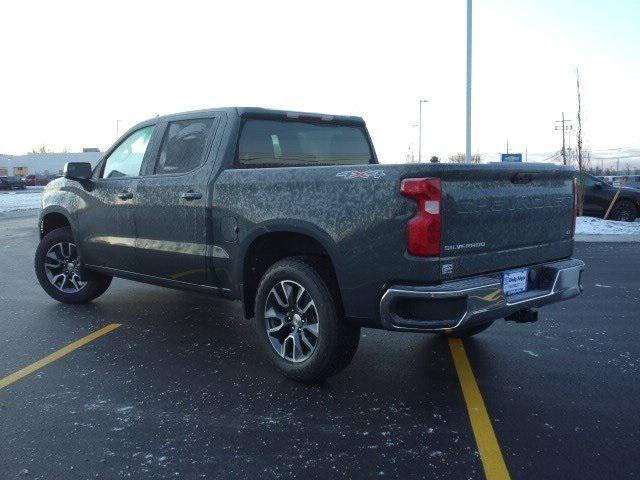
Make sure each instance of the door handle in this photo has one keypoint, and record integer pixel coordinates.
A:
(124, 195)
(190, 195)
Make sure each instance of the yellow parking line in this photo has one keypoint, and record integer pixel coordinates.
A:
(490, 453)
(14, 377)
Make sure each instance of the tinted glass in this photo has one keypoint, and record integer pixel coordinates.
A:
(590, 181)
(126, 160)
(183, 145)
(273, 143)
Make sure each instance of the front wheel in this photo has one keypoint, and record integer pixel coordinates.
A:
(57, 266)
(298, 323)
(624, 211)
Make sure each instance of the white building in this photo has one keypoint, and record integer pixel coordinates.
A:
(43, 163)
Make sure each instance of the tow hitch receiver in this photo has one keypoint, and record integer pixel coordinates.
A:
(523, 316)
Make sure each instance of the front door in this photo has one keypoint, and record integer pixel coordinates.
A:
(107, 220)
(171, 215)
(597, 196)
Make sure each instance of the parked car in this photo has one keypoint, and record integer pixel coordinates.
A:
(599, 194)
(292, 214)
(37, 180)
(12, 183)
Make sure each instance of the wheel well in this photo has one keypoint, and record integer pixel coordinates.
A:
(272, 247)
(52, 221)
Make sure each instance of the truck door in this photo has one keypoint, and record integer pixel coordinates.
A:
(171, 214)
(106, 220)
(597, 196)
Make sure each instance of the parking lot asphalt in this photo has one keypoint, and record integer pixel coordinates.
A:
(180, 390)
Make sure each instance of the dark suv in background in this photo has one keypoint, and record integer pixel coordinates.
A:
(12, 183)
(599, 194)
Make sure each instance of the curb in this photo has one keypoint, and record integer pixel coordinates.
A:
(607, 238)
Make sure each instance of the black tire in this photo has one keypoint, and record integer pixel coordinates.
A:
(469, 332)
(93, 288)
(624, 211)
(337, 340)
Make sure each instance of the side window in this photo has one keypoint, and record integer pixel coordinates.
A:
(126, 160)
(183, 146)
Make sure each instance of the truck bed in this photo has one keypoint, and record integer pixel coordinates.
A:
(494, 217)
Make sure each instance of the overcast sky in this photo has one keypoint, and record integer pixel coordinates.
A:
(69, 70)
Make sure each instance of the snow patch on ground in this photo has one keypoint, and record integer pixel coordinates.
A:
(19, 200)
(598, 226)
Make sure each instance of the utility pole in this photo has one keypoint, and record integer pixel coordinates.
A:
(469, 51)
(507, 145)
(117, 129)
(565, 127)
(526, 153)
(420, 132)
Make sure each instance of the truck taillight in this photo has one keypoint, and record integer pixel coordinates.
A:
(424, 230)
(575, 206)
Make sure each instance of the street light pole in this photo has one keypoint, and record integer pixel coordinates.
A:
(420, 132)
(469, 38)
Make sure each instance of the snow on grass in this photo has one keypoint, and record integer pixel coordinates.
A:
(19, 200)
(598, 226)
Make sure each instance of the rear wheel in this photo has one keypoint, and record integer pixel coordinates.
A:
(58, 266)
(469, 332)
(624, 211)
(298, 322)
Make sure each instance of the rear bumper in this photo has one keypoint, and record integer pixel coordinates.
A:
(462, 303)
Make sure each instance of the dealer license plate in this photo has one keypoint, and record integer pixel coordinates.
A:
(515, 281)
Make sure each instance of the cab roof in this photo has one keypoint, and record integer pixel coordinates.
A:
(267, 113)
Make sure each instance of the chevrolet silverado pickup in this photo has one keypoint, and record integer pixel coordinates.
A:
(292, 214)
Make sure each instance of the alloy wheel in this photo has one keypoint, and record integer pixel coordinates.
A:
(291, 321)
(624, 214)
(62, 266)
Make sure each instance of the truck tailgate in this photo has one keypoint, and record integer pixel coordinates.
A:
(499, 219)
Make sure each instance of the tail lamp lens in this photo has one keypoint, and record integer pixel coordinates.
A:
(424, 230)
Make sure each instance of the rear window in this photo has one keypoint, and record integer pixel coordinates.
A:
(279, 143)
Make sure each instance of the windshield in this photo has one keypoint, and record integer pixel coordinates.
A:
(275, 143)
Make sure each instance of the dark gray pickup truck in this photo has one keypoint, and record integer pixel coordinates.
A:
(292, 214)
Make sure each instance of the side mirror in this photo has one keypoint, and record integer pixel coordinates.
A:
(77, 170)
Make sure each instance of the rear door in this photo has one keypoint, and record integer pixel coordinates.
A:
(106, 219)
(171, 215)
(498, 218)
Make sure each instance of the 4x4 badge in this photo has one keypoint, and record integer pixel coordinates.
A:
(349, 174)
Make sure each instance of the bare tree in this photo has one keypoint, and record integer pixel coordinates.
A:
(582, 158)
(41, 149)
(460, 158)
